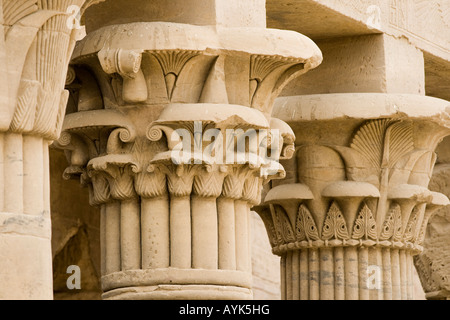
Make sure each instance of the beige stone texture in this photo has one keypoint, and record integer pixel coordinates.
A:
(266, 267)
(422, 23)
(369, 63)
(418, 20)
(181, 118)
(35, 49)
(220, 13)
(177, 225)
(433, 263)
(75, 234)
(359, 204)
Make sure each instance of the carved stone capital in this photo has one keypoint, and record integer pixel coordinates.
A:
(203, 65)
(174, 137)
(362, 168)
(35, 49)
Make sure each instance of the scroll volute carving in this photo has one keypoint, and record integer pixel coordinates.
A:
(100, 134)
(77, 154)
(126, 63)
(286, 139)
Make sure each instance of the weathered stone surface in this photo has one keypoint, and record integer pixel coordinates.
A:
(35, 49)
(371, 63)
(221, 13)
(266, 266)
(75, 234)
(176, 212)
(434, 263)
(418, 20)
(422, 23)
(361, 204)
(152, 90)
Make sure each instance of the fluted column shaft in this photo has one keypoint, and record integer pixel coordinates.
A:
(35, 46)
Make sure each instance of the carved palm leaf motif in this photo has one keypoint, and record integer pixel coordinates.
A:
(15, 10)
(287, 234)
(400, 142)
(233, 184)
(423, 227)
(335, 225)
(266, 217)
(369, 141)
(61, 114)
(172, 63)
(277, 225)
(365, 225)
(100, 189)
(383, 142)
(52, 43)
(282, 225)
(151, 183)
(208, 184)
(24, 116)
(305, 226)
(392, 228)
(262, 66)
(252, 189)
(180, 185)
(412, 224)
(120, 180)
(50, 34)
(141, 151)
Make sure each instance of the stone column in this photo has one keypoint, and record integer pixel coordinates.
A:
(353, 211)
(35, 46)
(169, 129)
(433, 263)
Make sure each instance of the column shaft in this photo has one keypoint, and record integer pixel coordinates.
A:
(33, 175)
(130, 231)
(25, 233)
(155, 233)
(242, 248)
(311, 274)
(180, 233)
(112, 238)
(205, 249)
(227, 234)
(13, 166)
